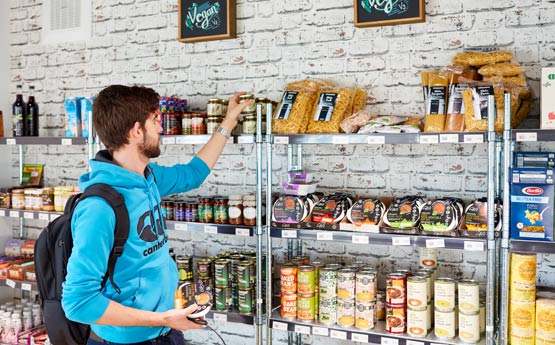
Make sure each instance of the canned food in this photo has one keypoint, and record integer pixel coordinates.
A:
(469, 296)
(545, 338)
(445, 324)
(305, 308)
(380, 305)
(318, 265)
(334, 266)
(346, 283)
(221, 272)
(327, 310)
(522, 338)
(288, 279)
(469, 327)
(328, 282)
(245, 301)
(417, 323)
(417, 293)
(204, 267)
(346, 312)
(245, 276)
(395, 320)
(289, 306)
(429, 284)
(482, 317)
(305, 280)
(365, 286)
(523, 268)
(364, 315)
(430, 316)
(395, 289)
(224, 298)
(428, 257)
(406, 273)
(445, 290)
(522, 316)
(545, 315)
(184, 267)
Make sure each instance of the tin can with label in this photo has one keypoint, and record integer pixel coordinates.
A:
(364, 315)
(522, 316)
(184, 267)
(429, 284)
(305, 308)
(245, 301)
(482, 317)
(445, 292)
(365, 286)
(318, 265)
(327, 310)
(417, 323)
(445, 324)
(396, 287)
(288, 279)
(328, 283)
(417, 293)
(346, 283)
(545, 316)
(346, 312)
(469, 296)
(522, 338)
(221, 272)
(469, 327)
(395, 319)
(245, 271)
(204, 267)
(427, 257)
(224, 298)
(289, 306)
(523, 268)
(380, 306)
(305, 280)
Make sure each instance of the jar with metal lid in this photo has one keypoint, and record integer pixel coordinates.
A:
(29, 195)
(190, 211)
(249, 123)
(5, 198)
(214, 107)
(47, 199)
(179, 211)
(186, 120)
(198, 123)
(205, 210)
(225, 104)
(251, 108)
(18, 198)
(221, 210)
(212, 123)
(235, 211)
(59, 202)
(249, 213)
(170, 209)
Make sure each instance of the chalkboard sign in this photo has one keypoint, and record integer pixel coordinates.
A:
(204, 20)
(388, 12)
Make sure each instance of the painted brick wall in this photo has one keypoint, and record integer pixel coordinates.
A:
(280, 41)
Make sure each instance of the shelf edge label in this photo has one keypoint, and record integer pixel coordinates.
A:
(339, 140)
(26, 286)
(10, 141)
(359, 337)
(302, 329)
(210, 229)
(44, 216)
(429, 139)
(168, 140)
(288, 233)
(219, 317)
(358, 239)
(181, 226)
(435, 243)
(10, 283)
(279, 325)
(320, 331)
(389, 341)
(531, 136)
(28, 215)
(281, 140)
(400, 241)
(474, 246)
(376, 140)
(324, 236)
(338, 334)
(473, 138)
(67, 142)
(448, 138)
(14, 214)
(242, 232)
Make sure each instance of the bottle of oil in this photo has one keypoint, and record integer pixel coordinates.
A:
(32, 115)
(18, 114)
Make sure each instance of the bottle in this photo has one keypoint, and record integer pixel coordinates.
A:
(32, 115)
(18, 114)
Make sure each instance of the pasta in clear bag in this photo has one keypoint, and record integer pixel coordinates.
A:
(333, 105)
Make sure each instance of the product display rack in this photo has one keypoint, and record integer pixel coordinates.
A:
(19, 284)
(381, 138)
(203, 139)
(43, 141)
(223, 229)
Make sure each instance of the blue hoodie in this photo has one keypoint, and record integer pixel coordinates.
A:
(145, 273)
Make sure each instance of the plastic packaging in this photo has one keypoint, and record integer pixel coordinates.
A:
(334, 104)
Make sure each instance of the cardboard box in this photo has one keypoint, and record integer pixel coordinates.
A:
(547, 120)
(532, 201)
(534, 159)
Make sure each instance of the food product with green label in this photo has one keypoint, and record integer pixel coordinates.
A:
(404, 212)
(366, 211)
(441, 215)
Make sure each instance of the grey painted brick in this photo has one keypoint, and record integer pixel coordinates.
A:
(366, 181)
(370, 165)
(438, 183)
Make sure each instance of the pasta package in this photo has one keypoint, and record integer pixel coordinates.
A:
(334, 104)
(454, 122)
(511, 81)
(505, 69)
(359, 100)
(481, 59)
(436, 103)
(293, 113)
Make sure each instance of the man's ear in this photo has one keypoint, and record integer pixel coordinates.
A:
(136, 132)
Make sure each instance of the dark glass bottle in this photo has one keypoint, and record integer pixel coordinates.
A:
(32, 115)
(18, 114)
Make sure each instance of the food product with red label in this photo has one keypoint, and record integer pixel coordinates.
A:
(404, 212)
(366, 211)
(290, 209)
(331, 209)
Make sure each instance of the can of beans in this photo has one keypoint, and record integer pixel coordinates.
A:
(364, 315)
(289, 306)
(222, 272)
(346, 312)
(305, 280)
(395, 320)
(417, 323)
(469, 327)
(327, 310)
(346, 283)
(328, 283)
(305, 308)
(396, 287)
(288, 279)
(380, 305)
(365, 286)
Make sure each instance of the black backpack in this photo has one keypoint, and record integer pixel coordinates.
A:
(52, 251)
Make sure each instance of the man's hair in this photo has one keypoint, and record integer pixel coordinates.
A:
(117, 108)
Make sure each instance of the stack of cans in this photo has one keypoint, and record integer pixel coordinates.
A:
(204, 275)
(522, 307)
(327, 311)
(346, 297)
(445, 313)
(396, 302)
(365, 299)
(469, 311)
(288, 288)
(306, 293)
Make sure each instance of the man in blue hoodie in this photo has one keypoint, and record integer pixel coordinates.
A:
(127, 121)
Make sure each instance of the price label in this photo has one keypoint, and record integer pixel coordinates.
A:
(435, 243)
(358, 239)
(302, 329)
(389, 341)
(324, 236)
(429, 139)
(339, 140)
(220, 317)
(376, 140)
(320, 331)
(26, 286)
(10, 141)
(181, 226)
(448, 138)
(281, 140)
(10, 283)
(412, 342)
(168, 140)
(359, 337)
(279, 325)
(3, 213)
(338, 334)
(474, 246)
(14, 214)
(210, 229)
(28, 215)
(44, 216)
(473, 138)
(54, 216)
(67, 142)
(532, 136)
(245, 139)
(400, 241)
(288, 233)
(182, 139)
(242, 232)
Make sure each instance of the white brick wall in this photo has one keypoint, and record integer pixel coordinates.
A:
(134, 43)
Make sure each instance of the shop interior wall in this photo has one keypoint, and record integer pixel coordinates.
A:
(134, 43)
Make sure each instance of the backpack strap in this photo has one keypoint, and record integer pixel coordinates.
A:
(121, 231)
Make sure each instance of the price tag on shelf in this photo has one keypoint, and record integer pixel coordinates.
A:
(338, 334)
(10, 283)
(281, 140)
(26, 286)
(376, 139)
(182, 139)
(28, 215)
(339, 140)
(10, 141)
(168, 140)
(412, 342)
(288, 233)
(279, 325)
(435, 243)
(3, 213)
(14, 214)
(320, 331)
(359, 239)
(245, 139)
(324, 236)
(181, 226)
(54, 216)
(474, 246)
(220, 317)
(473, 138)
(448, 138)
(67, 142)
(531, 136)
(400, 241)
(359, 337)
(429, 139)
(44, 216)
(389, 341)
(242, 232)
(210, 229)
(302, 329)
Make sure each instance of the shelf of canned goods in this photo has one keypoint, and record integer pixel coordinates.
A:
(48, 216)
(224, 229)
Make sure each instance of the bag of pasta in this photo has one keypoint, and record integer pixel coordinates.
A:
(482, 58)
(334, 104)
(359, 100)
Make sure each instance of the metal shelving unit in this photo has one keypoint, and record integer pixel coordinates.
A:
(223, 229)
(531, 135)
(19, 284)
(381, 138)
(529, 246)
(234, 317)
(43, 141)
(26, 214)
(203, 139)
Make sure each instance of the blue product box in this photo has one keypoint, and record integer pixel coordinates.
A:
(532, 201)
(86, 115)
(534, 159)
(72, 107)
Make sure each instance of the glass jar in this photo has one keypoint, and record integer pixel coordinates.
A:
(225, 104)
(198, 123)
(235, 210)
(186, 123)
(212, 123)
(249, 108)
(18, 198)
(179, 211)
(249, 124)
(47, 199)
(249, 213)
(5, 198)
(238, 130)
(205, 210)
(36, 200)
(221, 210)
(29, 196)
(191, 212)
(170, 210)
(214, 107)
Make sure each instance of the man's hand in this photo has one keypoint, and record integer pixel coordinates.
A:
(177, 318)
(234, 110)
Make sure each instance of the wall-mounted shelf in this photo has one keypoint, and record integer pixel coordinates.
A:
(27, 214)
(19, 284)
(43, 141)
(203, 139)
(533, 246)
(382, 138)
(531, 135)
(224, 229)
(234, 317)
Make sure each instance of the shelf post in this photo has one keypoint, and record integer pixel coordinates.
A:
(21, 221)
(259, 319)
(268, 219)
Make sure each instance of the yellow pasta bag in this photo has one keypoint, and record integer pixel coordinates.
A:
(334, 104)
(480, 59)
(293, 112)
(506, 69)
(359, 101)
(436, 104)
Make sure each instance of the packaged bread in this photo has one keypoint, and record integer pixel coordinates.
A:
(359, 100)
(505, 69)
(436, 103)
(293, 113)
(481, 59)
(334, 104)
(352, 123)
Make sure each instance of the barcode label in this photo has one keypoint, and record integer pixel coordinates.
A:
(28, 215)
(67, 142)
(281, 140)
(320, 331)
(376, 140)
(44, 216)
(527, 136)
(26, 287)
(181, 226)
(10, 141)
(338, 334)
(324, 236)
(220, 317)
(242, 232)
(474, 246)
(473, 138)
(400, 241)
(390, 341)
(448, 138)
(168, 140)
(279, 325)
(14, 214)
(210, 229)
(302, 329)
(360, 239)
(429, 139)
(359, 337)
(435, 243)
(10, 283)
(289, 233)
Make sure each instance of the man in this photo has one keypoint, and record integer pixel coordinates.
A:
(140, 308)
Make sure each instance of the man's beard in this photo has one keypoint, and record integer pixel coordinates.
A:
(148, 148)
